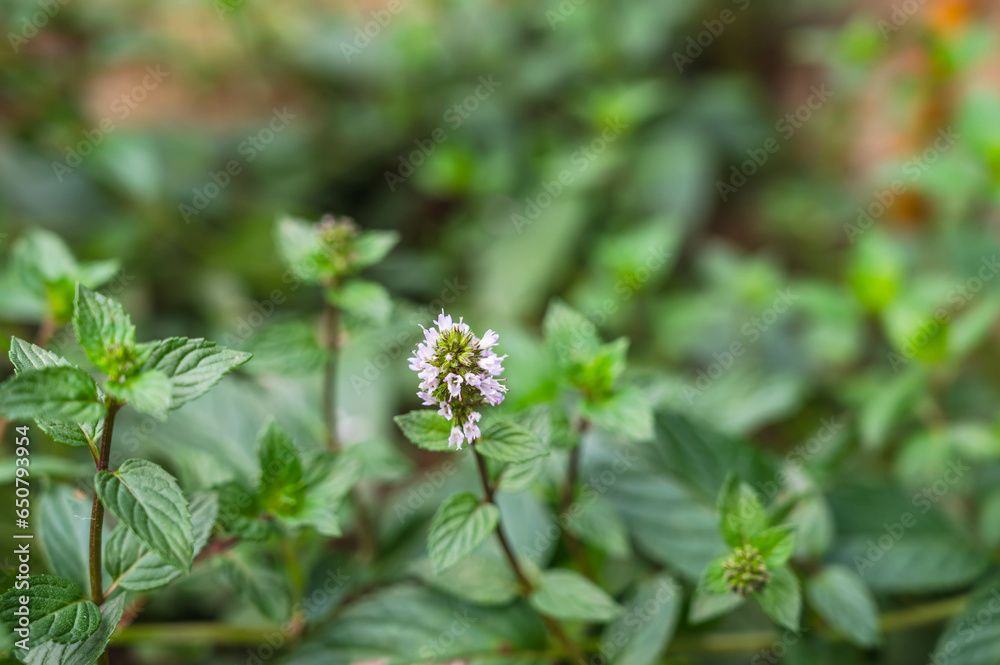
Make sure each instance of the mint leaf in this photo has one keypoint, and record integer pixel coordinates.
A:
(87, 651)
(135, 567)
(363, 302)
(57, 610)
(299, 245)
(776, 544)
(781, 599)
(648, 623)
(566, 595)
(741, 514)
(427, 429)
(281, 490)
(373, 246)
(104, 331)
(288, 348)
(148, 392)
(192, 365)
(459, 526)
(64, 394)
(845, 603)
(506, 441)
(146, 498)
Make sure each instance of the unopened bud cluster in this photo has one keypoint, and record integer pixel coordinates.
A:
(745, 571)
(457, 372)
(339, 236)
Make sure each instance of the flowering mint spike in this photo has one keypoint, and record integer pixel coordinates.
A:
(458, 373)
(746, 571)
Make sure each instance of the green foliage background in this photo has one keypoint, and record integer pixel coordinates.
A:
(841, 364)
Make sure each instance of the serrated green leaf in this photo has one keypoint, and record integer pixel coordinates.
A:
(26, 356)
(566, 595)
(427, 429)
(741, 513)
(460, 525)
(57, 610)
(86, 652)
(781, 599)
(147, 392)
(63, 394)
(845, 603)
(144, 497)
(192, 365)
(104, 331)
(135, 567)
(506, 441)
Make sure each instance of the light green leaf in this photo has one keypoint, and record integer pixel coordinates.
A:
(40, 257)
(460, 525)
(373, 246)
(192, 365)
(846, 604)
(134, 567)
(63, 394)
(640, 636)
(148, 392)
(104, 331)
(57, 610)
(781, 598)
(568, 334)
(281, 489)
(426, 428)
(712, 597)
(776, 544)
(299, 245)
(63, 516)
(86, 652)
(362, 302)
(625, 412)
(144, 497)
(478, 579)
(566, 595)
(506, 441)
(741, 514)
(972, 636)
(25, 357)
(596, 521)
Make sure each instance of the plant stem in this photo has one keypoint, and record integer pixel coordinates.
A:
(331, 334)
(97, 515)
(331, 331)
(551, 624)
(573, 544)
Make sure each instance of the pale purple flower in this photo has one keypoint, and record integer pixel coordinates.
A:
(457, 373)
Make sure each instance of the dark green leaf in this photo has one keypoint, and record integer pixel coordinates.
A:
(460, 525)
(63, 394)
(57, 610)
(564, 594)
(846, 604)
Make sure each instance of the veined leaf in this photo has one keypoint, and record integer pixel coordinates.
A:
(87, 651)
(63, 394)
(427, 429)
(148, 392)
(57, 610)
(104, 331)
(460, 525)
(506, 441)
(192, 365)
(148, 501)
(564, 594)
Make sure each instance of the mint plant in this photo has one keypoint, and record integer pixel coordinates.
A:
(156, 530)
